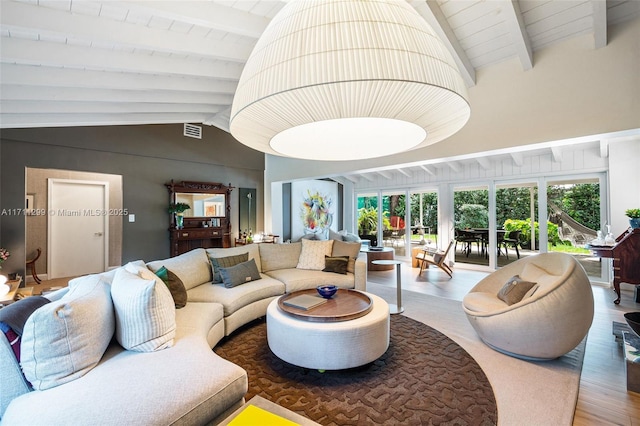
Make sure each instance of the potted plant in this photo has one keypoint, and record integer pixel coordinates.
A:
(634, 217)
(178, 209)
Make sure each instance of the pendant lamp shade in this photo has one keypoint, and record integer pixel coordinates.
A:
(345, 80)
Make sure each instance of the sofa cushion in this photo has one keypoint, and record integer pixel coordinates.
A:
(313, 253)
(333, 235)
(336, 264)
(251, 249)
(235, 298)
(225, 262)
(175, 286)
(349, 237)
(301, 279)
(187, 384)
(193, 267)
(241, 273)
(351, 249)
(145, 311)
(65, 339)
(514, 290)
(279, 256)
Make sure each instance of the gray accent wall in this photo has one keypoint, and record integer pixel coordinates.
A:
(145, 156)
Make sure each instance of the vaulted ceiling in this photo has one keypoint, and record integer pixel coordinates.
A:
(77, 62)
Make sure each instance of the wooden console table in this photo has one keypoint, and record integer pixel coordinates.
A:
(626, 259)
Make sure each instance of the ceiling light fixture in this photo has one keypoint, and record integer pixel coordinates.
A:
(346, 80)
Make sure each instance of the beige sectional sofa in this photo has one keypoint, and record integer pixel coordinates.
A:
(184, 383)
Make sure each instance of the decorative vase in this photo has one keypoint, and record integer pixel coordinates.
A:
(634, 222)
(179, 220)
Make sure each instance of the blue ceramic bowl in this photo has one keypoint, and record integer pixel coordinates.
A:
(633, 319)
(327, 291)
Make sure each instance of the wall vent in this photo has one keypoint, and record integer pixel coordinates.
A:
(192, 131)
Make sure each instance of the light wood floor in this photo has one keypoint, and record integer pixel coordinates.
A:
(603, 398)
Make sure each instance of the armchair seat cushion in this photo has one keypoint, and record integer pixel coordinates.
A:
(483, 302)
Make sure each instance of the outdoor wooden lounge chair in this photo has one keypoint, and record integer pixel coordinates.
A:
(438, 259)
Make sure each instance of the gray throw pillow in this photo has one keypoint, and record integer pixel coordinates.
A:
(16, 314)
(226, 262)
(239, 274)
(514, 290)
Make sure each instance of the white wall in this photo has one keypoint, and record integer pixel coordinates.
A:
(624, 182)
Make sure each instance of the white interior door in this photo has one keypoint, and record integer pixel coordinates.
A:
(78, 220)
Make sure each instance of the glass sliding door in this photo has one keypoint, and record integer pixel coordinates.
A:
(471, 225)
(367, 216)
(424, 218)
(394, 229)
(574, 211)
(516, 221)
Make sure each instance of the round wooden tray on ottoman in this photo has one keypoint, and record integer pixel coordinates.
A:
(343, 306)
(329, 344)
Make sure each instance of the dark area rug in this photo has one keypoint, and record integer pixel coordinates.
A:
(424, 378)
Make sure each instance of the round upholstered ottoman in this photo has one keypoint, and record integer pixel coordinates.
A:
(329, 345)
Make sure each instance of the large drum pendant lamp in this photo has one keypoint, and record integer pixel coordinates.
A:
(346, 80)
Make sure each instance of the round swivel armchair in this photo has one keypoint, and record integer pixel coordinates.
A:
(551, 319)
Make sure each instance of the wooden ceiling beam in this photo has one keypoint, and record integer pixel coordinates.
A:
(518, 33)
(207, 14)
(84, 94)
(427, 169)
(518, 158)
(119, 119)
(599, 23)
(431, 12)
(384, 174)
(44, 76)
(30, 52)
(59, 24)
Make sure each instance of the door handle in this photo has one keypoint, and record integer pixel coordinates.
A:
(98, 234)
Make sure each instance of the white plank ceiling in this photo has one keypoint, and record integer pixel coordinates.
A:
(114, 62)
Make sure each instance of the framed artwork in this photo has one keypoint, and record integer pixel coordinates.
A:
(313, 208)
(247, 209)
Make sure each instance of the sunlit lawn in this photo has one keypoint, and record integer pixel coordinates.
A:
(558, 248)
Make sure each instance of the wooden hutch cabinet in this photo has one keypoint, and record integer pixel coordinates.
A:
(626, 259)
(207, 223)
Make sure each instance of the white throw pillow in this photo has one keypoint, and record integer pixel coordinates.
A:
(66, 338)
(145, 311)
(313, 253)
(193, 267)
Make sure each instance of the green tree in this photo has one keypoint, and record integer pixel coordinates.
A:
(474, 197)
(514, 203)
(473, 216)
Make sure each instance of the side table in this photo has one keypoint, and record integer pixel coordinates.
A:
(11, 295)
(394, 309)
(383, 253)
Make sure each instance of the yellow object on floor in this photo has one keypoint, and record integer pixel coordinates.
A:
(252, 416)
